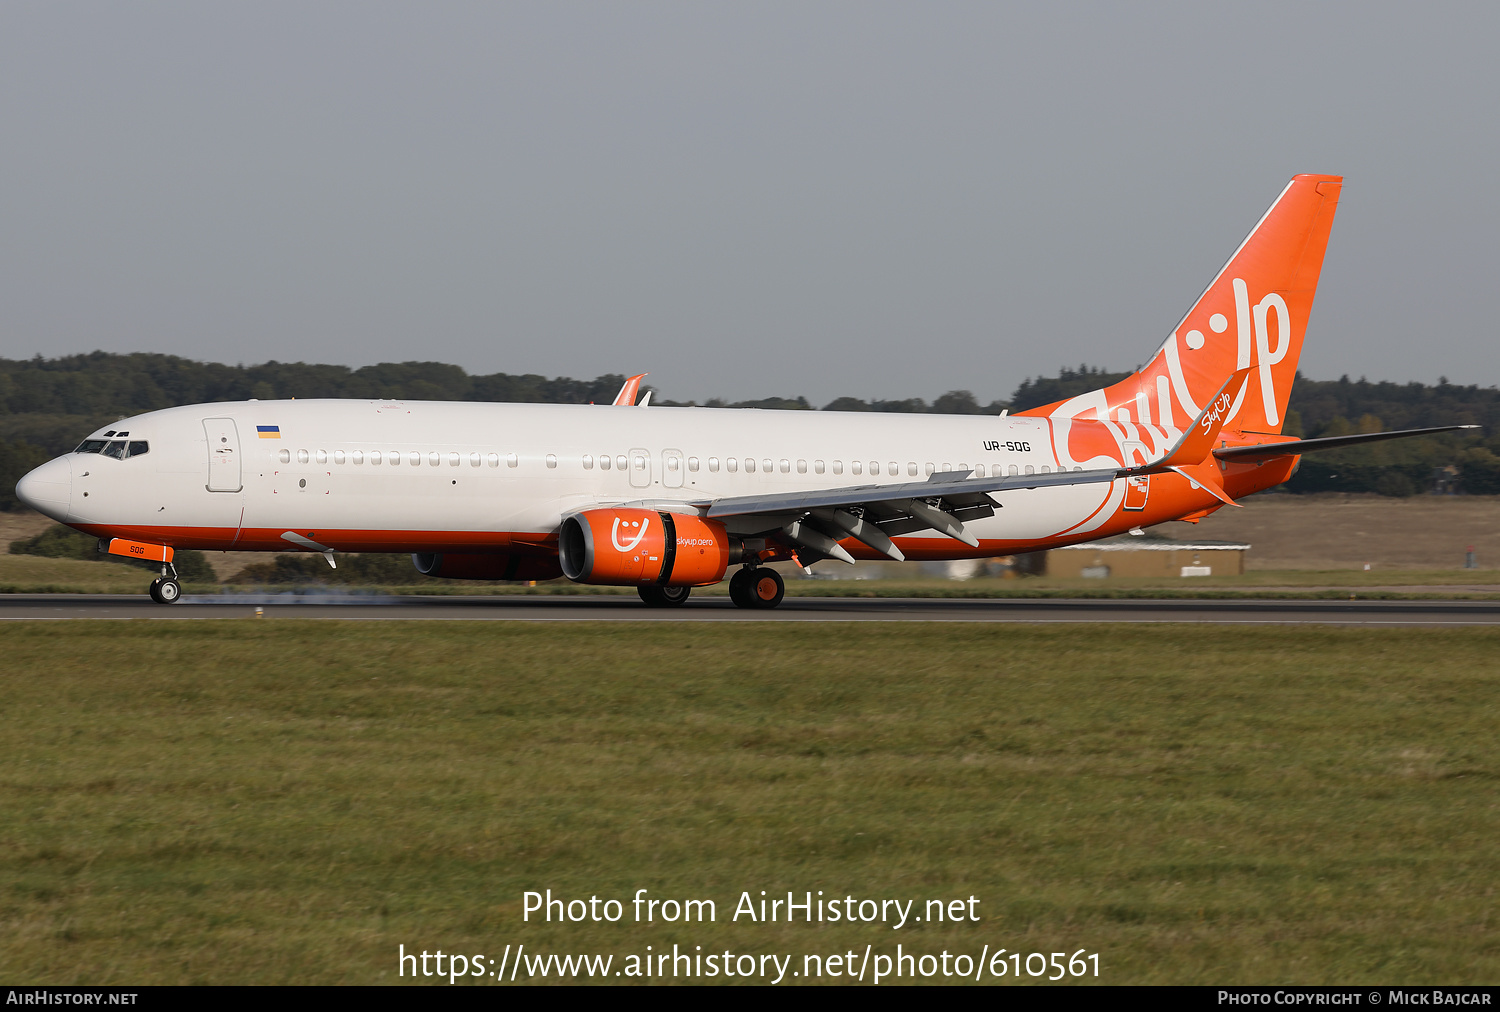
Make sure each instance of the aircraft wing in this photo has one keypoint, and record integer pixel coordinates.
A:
(952, 486)
(874, 514)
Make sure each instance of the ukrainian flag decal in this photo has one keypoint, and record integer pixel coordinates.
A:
(268, 431)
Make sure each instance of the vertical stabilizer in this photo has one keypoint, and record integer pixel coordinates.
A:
(1253, 316)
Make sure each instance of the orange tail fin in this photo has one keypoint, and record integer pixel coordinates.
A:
(628, 392)
(1253, 315)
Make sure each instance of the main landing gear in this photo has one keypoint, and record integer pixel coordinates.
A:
(756, 587)
(663, 597)
(165, 589)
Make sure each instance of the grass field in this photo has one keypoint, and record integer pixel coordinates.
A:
(266, 801)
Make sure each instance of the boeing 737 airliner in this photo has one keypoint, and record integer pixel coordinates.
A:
(666, 499)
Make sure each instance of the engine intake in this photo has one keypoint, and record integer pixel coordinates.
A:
(631, 546)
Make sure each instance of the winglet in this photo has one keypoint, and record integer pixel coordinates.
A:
(1198, 441)
(626, 396)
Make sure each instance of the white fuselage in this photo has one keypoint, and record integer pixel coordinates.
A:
(424, 476)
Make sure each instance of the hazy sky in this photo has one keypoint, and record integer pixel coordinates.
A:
(880, 200)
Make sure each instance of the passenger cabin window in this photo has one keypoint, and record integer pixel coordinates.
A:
(1013, 469)
(359, 456)
(801, 467)
(285, 456)
(749, 465)
(620, 461)
(302, 457)
(588, 461)
(338, 456)
(322, 457)
(874, 467)
(713, 464)
(855, 467)
(1030, 469)
(786, 466)
(732, 464)
(91, 445)
(911, 468)
(838, 467)
(551, 459)
(474, 460)
(375, 457)
(766, 464)
(817, 467)
(493, 460)
(604, 462)
(138, 447)
(692, 463)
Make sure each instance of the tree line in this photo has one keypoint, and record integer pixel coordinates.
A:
(47, 405)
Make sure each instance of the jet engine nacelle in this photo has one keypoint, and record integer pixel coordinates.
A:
(495, 566)
(631, 546)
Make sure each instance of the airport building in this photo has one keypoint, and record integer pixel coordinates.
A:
(1146, 555)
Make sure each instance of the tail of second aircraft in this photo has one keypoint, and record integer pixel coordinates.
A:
(1253, 315)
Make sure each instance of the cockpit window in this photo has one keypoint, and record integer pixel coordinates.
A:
(138, 447)
(90, 446)
(115, 450)
(111, 432)
(121, 435)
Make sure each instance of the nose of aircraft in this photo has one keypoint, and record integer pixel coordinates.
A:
(48, 488)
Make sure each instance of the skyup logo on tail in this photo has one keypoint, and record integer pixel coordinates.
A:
(1254, 346)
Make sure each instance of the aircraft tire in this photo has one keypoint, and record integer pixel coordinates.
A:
(765, 588)
(168, 591)
(664, 597)
(154, 591)
(739, 589)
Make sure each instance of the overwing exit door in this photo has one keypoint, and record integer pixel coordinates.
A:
(640, 468)
(223, 455)
(671, 468)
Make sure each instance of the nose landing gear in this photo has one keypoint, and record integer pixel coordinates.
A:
(756, 587)
(166, 589)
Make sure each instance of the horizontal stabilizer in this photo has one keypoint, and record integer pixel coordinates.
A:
(1264, 451)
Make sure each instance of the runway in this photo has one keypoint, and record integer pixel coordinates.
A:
(718, 609)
